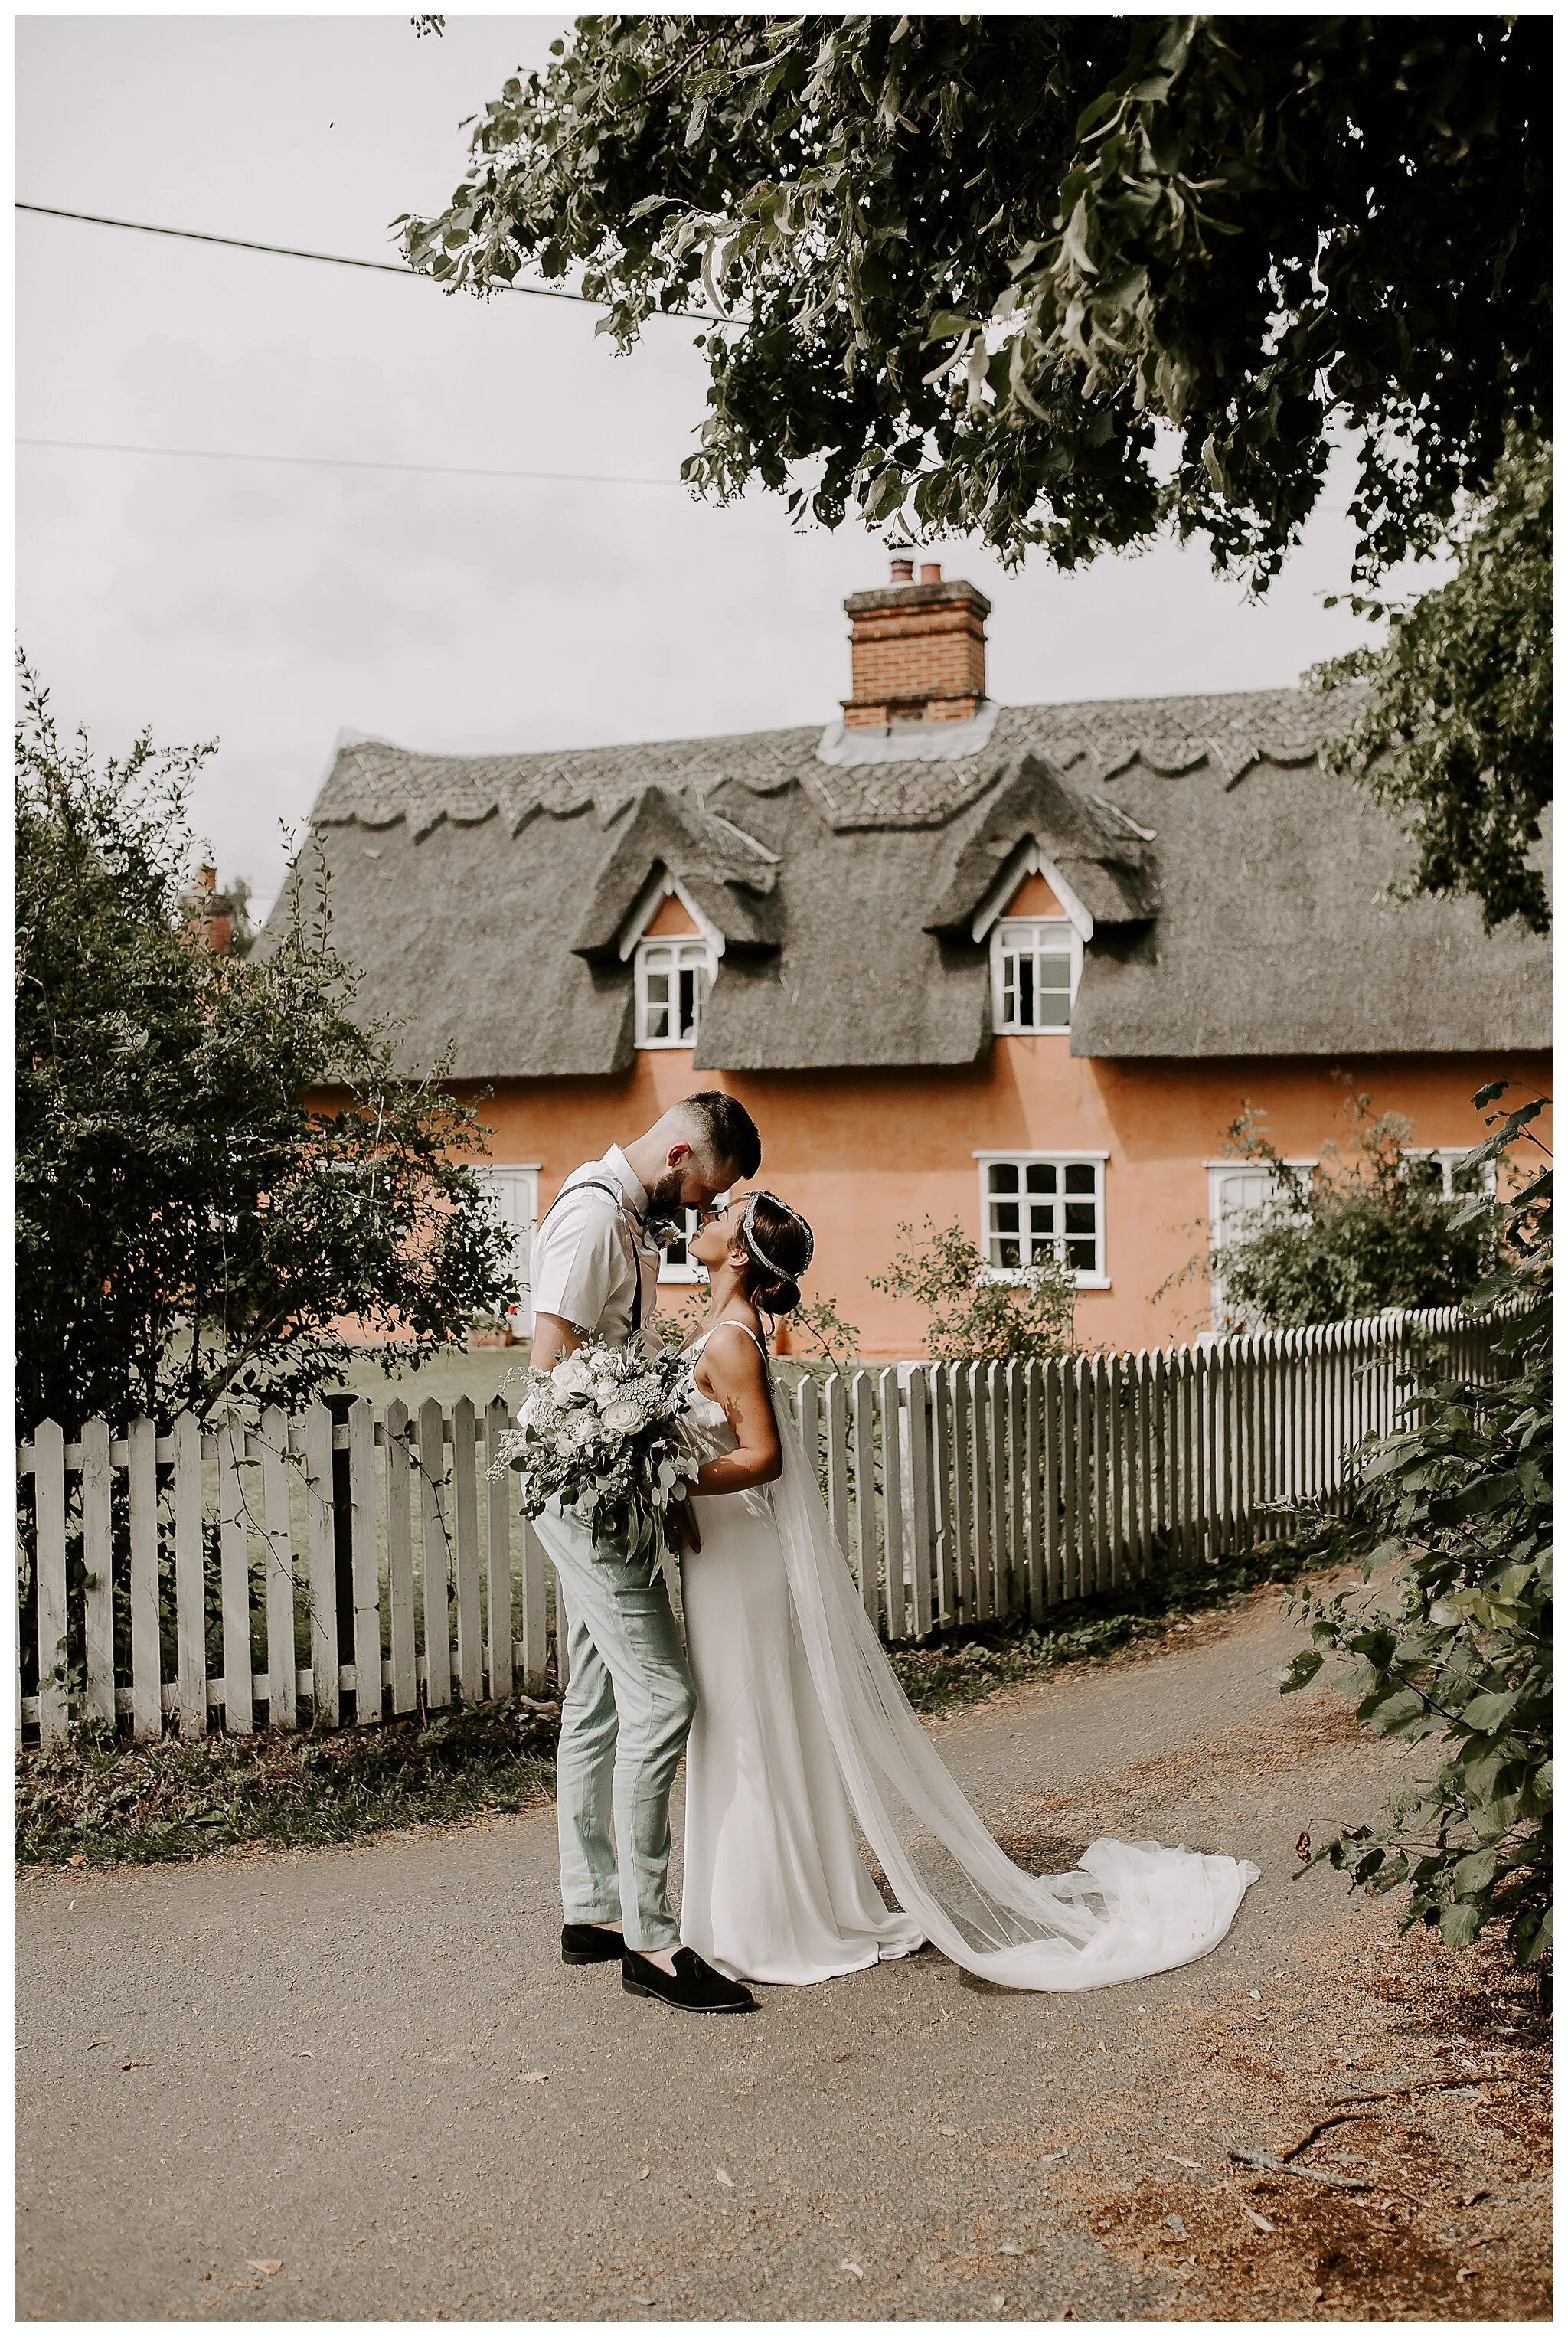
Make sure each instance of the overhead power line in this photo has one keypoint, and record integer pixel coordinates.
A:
(348, 463)
(333, 258)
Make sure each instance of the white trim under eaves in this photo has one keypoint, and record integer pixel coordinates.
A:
(1036, 1152)
(1027, 859)
(660, 886)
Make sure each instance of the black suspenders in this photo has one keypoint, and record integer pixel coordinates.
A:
(597, 1185)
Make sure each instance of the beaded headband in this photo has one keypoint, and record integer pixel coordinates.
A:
(784, 1272)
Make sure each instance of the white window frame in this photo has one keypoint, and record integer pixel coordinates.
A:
(681, 951)
(1061, 936)
(1448, 1157)
(521, 1184)
(689, 1272)
(1080, 1157)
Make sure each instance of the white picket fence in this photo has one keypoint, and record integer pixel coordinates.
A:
(244, 1569)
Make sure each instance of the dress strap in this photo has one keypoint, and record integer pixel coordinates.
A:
(700, 1342)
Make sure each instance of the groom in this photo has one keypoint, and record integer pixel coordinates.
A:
(628, 1705)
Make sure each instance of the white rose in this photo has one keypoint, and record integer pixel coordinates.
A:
(572, 1376)
(624, 1418)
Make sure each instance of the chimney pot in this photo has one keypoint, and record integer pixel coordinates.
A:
(931, 573)
(903, 571)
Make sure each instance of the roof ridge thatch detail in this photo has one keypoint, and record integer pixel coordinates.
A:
(375, 784)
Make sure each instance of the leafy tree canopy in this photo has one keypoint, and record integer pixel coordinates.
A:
(189, 1230)
(1368, 1227)
(1455, 731)
(974, 262)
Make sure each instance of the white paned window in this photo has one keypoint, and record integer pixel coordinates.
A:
(1440, 1163)
(676, 1261)
(673, 979)
(1035, 964)
(1036, 1206)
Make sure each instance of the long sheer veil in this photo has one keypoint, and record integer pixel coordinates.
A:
(1127, 1909)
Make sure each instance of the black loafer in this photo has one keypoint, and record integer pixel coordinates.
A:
(590, 1943)
(695, 1986)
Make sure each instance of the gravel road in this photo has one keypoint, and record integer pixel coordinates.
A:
(359, 2084)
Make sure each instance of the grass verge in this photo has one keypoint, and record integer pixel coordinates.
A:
(97, 1803)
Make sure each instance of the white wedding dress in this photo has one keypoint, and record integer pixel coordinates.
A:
(802, 1730)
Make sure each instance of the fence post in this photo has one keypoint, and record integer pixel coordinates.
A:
(465, 1511)
(1034, 1472)
(963, 1497)
(277, 1575)
(1017, 1578)
(1001, 1556)
(365, 1561)
(322, 1543)
(1069, 1388)
(432, 1557)
(146, 1646)
(1051, 1441)
(861, 1409)
(190, 1617)
(808, 1424)
(944, 1594)
(838, 1419)
(400, 1559)
(497, 1550)
(917, 1473)
(234, 1564)
(893, 1543)
(49, 1557)
(1116, 1440)
(984, 1464)
(98, 1564)
(535, 1643)
(1100, 1506)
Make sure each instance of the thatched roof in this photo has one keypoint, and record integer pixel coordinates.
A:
(1232, 887)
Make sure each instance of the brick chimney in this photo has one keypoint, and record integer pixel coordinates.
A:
(916, 649)
(210, 913)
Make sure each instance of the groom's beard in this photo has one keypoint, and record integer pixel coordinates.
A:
(666, 1209)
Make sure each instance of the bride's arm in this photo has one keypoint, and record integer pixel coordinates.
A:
(731, 1371)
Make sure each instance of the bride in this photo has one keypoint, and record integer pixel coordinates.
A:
(801, 1729)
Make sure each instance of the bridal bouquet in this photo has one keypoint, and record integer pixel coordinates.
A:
(605, 1435)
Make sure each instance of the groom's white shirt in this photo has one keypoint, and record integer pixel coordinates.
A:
(582, 1266)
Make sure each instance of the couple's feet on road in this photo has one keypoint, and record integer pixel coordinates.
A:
(688, 1984)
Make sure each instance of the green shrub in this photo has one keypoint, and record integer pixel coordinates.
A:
(1370, 1226)
(1459, 1497)
(971, 1316)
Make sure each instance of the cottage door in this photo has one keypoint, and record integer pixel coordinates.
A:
(514, 1190)
(1237, 1189)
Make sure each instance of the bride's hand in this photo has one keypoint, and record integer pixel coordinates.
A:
(681, 1528)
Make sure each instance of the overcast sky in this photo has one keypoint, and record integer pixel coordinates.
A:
(270, 605)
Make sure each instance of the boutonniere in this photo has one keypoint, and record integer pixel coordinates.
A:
(662, 1231)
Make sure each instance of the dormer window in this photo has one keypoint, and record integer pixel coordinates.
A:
(673, 979)
(1035, 967)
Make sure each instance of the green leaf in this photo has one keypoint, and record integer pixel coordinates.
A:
(1460, 1925)
(1304, 1666)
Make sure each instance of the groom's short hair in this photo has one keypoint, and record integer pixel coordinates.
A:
(725, 1130)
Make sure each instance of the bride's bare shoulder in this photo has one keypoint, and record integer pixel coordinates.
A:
(731, 1358)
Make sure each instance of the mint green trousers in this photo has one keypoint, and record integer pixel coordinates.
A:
(624, 1722)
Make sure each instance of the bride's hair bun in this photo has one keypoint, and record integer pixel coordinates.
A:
(786, 1241)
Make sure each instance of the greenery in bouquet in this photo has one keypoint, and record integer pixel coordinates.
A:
(604, 1434)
